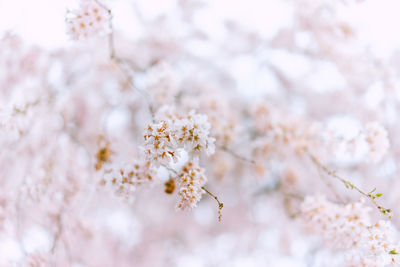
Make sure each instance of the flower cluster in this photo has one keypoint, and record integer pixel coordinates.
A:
(190, 180)
(159, 144)
(89, 19)
(377, 138)
(193, 134)
(277, 102)
(370, 144)
(280, 132)
(348, 228)
(165, 139)
(125, 179)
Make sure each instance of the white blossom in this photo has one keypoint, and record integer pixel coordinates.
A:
(159, 143)
(193, 133)
(190, 180)
(124, 179)
(88, 20)
(349, 228)
(163, 140)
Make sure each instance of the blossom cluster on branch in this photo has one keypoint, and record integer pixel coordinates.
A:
(88, 20)
(349, 228)
(232, 133)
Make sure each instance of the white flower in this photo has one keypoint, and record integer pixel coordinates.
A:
(190, 181)
(124, 180)
(89, 19)
(348, 228)
(193, 133)
(163, 140)
(160, 144)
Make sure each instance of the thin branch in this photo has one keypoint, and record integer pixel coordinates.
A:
(330, 186)
(58, 232)
(372, 197)
(18, 223)
(124, 64)
(111, 34)
(170, 169)
(234, 154)
(269, 188)
(220, 204)
(124, 67)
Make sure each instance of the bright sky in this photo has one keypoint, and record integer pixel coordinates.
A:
(42, 21)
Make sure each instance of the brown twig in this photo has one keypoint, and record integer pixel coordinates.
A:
(234, 154)
(330, 186)
(58, 232)
(220, 204)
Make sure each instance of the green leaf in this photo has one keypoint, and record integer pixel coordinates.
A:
(373, 190)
